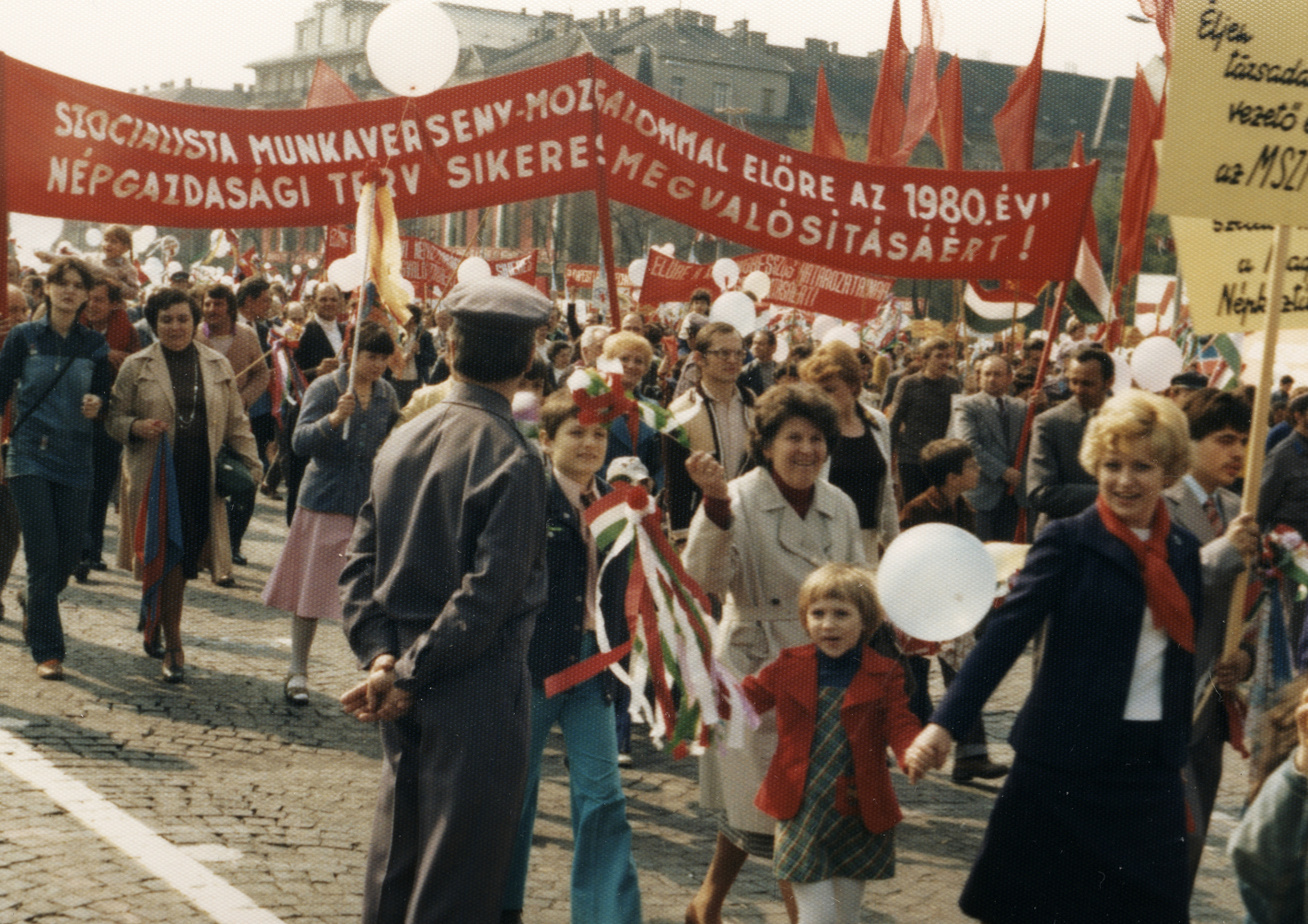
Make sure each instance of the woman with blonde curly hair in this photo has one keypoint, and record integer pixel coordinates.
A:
(1091, 823)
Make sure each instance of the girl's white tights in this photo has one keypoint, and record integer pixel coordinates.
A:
(829, 901)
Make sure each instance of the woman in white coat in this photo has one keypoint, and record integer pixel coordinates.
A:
(751, 543)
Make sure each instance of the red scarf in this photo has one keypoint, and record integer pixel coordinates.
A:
(1167, 601)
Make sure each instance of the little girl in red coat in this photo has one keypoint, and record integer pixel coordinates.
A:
(839, 705)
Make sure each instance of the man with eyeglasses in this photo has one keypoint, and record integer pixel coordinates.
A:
(716, 414)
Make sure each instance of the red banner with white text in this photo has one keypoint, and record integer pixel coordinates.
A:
(75, 150)
(795, 284)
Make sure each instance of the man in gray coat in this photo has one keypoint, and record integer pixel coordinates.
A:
(445, 577)
(1203, 503)
(991, 422)
(1056, 484)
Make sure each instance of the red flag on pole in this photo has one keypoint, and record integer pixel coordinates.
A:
(1015, 123)
(947, 128)
(826, 134)
(885, 130)
(1089, 270)
(1140, 184)
(922, 95)
(327, 88)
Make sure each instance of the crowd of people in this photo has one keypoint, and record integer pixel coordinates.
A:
(436, 475)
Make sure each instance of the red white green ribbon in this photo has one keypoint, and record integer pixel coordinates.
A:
(671, 631)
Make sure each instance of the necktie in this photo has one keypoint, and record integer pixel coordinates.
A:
(587, 498)
(1214, 518)
(1003, 420)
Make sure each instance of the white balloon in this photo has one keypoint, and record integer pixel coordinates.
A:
(726, 273)
(1155, 361)
(34, 232)
(412, 47)
(474, 268)
(845, 333)
(758, 283)
(936, 582)
(637, 271)
(346, 272)
(297, 269)
(822, 324)
(143, 237)
(174, 267)
(94, 237)
(668, 250)
(782, 351)
(154, 268)
(313, 263)
(737, 309)
(407, 288)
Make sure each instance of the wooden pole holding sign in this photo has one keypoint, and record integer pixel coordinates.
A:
(1253, 460)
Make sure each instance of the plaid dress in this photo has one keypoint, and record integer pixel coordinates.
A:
(826, 838)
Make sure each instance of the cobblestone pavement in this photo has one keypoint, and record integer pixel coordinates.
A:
(123, 799)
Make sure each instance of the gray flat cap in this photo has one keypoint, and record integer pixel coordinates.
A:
(500, 301)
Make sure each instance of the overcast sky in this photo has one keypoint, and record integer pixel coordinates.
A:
(127, 44)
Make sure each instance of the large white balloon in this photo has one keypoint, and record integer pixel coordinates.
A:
(936, 582)
(846, 334)
(472, 269)
(143, 237)
(726, 273)
(737, 309)
(346, 272)
(636, 271)
(94, 237)
(34, 232)
(412, 47)
(1155, 361)
(823, 324)
(757, 283)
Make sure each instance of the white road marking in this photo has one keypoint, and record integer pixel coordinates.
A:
(212, 894)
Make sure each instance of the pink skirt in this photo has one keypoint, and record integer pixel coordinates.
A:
(305, 579)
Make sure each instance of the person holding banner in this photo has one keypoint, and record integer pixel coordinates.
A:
(1090, 825)
(1203, 503)
(59, 372)
(604, 883)
(752, 542)
(188, 391)
(345, 418)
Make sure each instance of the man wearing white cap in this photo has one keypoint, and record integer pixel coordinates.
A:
(445, 578)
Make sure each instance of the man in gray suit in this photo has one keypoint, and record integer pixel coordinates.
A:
(444, 579)
(1056, 484)
(1203, 504)
(991, 422)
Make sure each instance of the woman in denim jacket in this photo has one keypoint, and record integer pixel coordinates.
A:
(58, 372)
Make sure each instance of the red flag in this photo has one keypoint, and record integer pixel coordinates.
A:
(1140, 184)
(1015, 123)
(1163, 13)
(1091, 226)
(826, 135)
(327, 88)
(885, 130)
(922, 95)
(948, 126)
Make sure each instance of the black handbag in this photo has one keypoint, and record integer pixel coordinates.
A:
(230, 476)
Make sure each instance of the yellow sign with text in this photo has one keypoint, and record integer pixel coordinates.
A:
(1226, 265)
(1236, 139)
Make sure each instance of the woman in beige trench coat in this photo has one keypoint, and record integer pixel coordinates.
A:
(157, 392)
(782, 522)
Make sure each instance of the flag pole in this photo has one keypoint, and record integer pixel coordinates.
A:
(1253, 461)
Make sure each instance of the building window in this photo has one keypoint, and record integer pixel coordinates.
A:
(722, 97)
(768, 104)
(677, 87)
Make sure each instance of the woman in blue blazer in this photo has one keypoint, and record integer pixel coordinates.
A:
(1090, 825)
